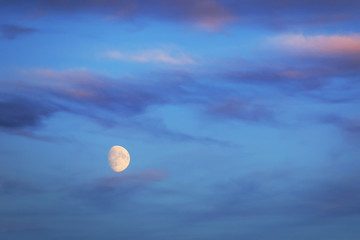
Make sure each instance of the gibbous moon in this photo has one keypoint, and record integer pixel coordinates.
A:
(119, 158)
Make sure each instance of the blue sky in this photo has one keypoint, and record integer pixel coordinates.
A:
(241, 119)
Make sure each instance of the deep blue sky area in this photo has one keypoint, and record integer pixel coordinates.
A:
(241, 118)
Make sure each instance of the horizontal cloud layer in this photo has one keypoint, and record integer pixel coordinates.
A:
(151, 56)
(206, 14)
(320, 44)
(107, 101)
(11, 31)
(108, 192)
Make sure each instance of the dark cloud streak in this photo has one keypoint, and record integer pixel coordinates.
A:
(20, 112)
(10, 186)
(11, 31)
(206, 14)
(108, 102)
(108, 192)
(278, 193)
(210, 14)
(242, 110)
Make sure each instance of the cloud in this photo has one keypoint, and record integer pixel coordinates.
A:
(327, 66)
(289, 78)
(319, 44)
(349, 126)
(12, 227)
(137, 178)
(11, 31)
(205, 14)
(84, 89)
(335, 198)
(26, 104)
(107, 192)
(241, 109)
(156, 127)
(279, 193)
(255, 194)
(326, 81)
(11, 186)
(288, 14)
(107, 101)
(152, 56)
(208, 15)
(20, 112)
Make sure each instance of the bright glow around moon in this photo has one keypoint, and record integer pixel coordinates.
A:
(119, 158)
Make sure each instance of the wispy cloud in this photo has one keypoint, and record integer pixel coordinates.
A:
(84, 88)
(319, 44)
(208, 15)
(18, 112)
(152, 56)
(288, 14)
(12, 31)
(107, 101)
(326, 64)
(108, 191)
(12, 186)
(241, 109)
(349, 126)
(16, 227)
(75, 91)
(273, 194)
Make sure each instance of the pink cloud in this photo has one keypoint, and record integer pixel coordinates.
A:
(77, 84)
(319, 44)
(294, 74)
(152, 56)
(209, 15)
(64, 76)
(142, 178)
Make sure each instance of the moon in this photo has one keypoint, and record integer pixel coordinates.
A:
(119, 158)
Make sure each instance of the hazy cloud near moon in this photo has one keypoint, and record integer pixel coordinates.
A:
(110, 191)
(10, 186)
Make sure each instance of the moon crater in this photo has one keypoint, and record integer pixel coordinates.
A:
(119, 158)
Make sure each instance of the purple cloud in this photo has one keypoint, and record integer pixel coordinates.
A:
(21, 112)
(107, 101)
(291, 79)
(77, 91)
(278, 193)
(288, 14)
(242, 110)
(11, 186)
(107, 192)
(335, 198)
(152, 56)
(326, 66)
(205, 14)
(323, 45)
(349, 126)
